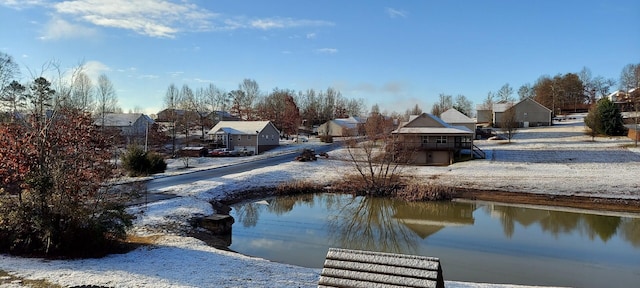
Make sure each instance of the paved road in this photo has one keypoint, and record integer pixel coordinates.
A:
(169, 181)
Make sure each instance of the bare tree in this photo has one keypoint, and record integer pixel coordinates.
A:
(445, 102)
(199, 105)
(217, 100)
(186, 103)
(171, 100)
(309, 105)
(378, 158)
(526, 91)
(464, 105)
(509, 124)
(505, 94)
(251, 91)
(106, 99)
(630, 77)
(237, 100)
(9, 71)
(82, 92)
(14, 97)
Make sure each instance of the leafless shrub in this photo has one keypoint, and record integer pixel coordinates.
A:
(425, 192)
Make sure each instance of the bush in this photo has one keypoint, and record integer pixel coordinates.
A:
(326, 138)
(156, 163)
(137, 162)
(69, 230)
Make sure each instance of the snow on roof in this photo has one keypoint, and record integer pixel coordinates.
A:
(351, 122)
(454, 116)
(240, 127)
(121, 119)
(432, 130)
(442, 128)
(356, 268)
(501, 107)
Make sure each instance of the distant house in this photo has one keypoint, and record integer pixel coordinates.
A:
(433, 141)
(528, 113)
(342, 127)
(169, 115)
(132, 126)
(217, 116)
(256, 136)
(456, 118)
(484, 114)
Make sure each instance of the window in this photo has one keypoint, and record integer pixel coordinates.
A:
(441, 139)
(248, 137)
(425, 139)
(239, 137)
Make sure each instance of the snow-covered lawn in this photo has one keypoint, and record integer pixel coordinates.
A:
(552, 160)
(558, 159)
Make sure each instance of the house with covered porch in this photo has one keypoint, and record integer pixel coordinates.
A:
(250, 136)
(435, 142)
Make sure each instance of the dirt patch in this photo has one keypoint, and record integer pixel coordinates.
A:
(581, 202)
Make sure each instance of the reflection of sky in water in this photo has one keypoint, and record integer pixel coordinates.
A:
(476, 242)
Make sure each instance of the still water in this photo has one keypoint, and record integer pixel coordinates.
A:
(476, 242)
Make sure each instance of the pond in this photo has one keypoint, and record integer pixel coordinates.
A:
(476, 242)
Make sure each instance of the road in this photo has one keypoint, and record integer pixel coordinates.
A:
(164, 182)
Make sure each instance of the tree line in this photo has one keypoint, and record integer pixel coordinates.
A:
(287, 109)
(569, 91)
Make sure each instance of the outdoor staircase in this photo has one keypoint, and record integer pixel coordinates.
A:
(478, 153)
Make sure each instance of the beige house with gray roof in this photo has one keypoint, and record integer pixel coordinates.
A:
(435, 142)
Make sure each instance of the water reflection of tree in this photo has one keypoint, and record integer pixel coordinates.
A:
(603, 226)
(560, 222)
(557, 222)
(284, 204)
(367, 223)
(248, 213)
(509, 215)
(630, 231)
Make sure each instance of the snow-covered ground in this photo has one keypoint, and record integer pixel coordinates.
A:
(559, 159)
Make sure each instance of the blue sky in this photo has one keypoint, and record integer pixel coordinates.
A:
(393, 53)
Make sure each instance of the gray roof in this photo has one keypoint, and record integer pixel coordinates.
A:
(349, 123)
(443, 128)
(454, 116)
(434, 130)
(121, 119)
(240, 127)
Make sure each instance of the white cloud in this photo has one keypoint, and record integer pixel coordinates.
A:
(327, 50)
(58, 28)
(394, 13)
(148, 76)
(155, 18)
(311, 35)
(21, 4)
(93, 69)
(279, 23)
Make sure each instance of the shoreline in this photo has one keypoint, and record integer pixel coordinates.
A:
(590, 203)
(563, 201)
